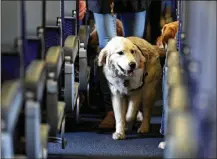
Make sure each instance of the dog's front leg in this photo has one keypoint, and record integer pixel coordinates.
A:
(133, 106)
(119, 107)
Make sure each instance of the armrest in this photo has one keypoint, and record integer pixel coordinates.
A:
(172, 46)
(71, 46)
(76, 87)
(173, 59)
(54, 61)
(11, 104)
(35, 79)
(61, 113)
(44, 129)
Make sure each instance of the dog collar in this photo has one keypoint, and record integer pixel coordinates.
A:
(126, 82)
(143, 82)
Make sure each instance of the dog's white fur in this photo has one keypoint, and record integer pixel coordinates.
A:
(126, 98)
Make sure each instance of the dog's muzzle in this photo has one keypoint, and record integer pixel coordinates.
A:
(125, 72)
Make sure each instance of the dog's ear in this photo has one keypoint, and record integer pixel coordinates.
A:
(142, 59)
(139, 52)
(141, 56)
(102, 57)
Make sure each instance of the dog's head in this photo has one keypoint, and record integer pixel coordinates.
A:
(168, 31)
(121, 56)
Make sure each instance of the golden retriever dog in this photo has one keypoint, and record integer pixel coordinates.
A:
(168, 31)
(93, 40)
(132, 68)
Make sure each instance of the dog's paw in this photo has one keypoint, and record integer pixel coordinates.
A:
(118, 136)
(143, 130)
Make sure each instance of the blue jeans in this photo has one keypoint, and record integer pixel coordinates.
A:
(133, 23)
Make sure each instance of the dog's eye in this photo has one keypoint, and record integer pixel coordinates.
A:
(120, 53)
(132, 51)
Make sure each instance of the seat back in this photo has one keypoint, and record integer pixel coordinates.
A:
(9, 66)
(13, 49)
(10, 29)
(52, 36)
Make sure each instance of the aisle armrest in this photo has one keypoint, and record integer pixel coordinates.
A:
(54, 61)
(71, 47)
(172, 46)
(61, 113)
(35, 79)
(11, 104)
(76, 92)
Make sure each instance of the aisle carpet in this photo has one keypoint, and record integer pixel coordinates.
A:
(91, 143)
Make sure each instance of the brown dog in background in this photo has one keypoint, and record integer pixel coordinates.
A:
(168, 31)
(94, 36)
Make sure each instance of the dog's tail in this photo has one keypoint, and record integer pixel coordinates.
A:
(161, 51)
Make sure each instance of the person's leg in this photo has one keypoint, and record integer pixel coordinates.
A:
(106, 29)
(134, 23)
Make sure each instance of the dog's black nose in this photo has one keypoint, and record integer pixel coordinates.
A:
(132, 65)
